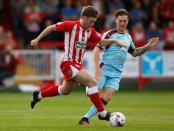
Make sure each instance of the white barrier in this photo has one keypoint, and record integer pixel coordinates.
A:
(45, 65)
(36, 64)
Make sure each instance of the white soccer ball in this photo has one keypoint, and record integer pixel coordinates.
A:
(117, 119)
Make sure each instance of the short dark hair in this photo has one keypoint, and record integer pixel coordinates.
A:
(89, 11)
(121, 12)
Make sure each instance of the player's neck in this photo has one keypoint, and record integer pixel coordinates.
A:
(120, 31)
(82, 24)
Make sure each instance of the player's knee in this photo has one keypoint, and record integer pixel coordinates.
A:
(91, 83)
(107, 97)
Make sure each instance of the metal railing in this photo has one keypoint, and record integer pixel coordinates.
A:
(35, 64)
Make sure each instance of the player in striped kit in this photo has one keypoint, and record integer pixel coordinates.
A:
(108, 73)
(77, 34)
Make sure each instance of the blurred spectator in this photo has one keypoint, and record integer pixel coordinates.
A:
(146, 5)
(167, 9)
(113, 5)
(8, 64)
(137, 13)
(32, 18)
(3, 37)
(11, 43)
(110, 20)
(54, 36)
(49, 7)
(86, 2)
(68, 12)
(28, 17)
(154, 14)
(1, 3)
(7, 40)
(154, 31)
(138, 35)
(168, 36)
(98, 4)
(17, 8)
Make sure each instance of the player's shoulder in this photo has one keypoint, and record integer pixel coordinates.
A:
(71, 22)
(68, 23)
(108, 33)
(93, 31)
(128, 34)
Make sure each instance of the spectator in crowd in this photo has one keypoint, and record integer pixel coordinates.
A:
(27, 15)
(17, 8)
(86, 2)
(32, 18)
(11, 43)
(7, 40)
(8, 64)
(49, 7)
(168, 36)
(110, 18)
(138, 35)
(117, 4)
(54, 36)
(68, 12)
(137, 13)
(167, 9)
(3, 37)
(154, 14)
(154, 31)
(1, 5)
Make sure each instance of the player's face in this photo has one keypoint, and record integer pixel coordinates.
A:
(122, 22)
(89, 21)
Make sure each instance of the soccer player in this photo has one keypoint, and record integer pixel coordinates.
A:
(108, 72)
(77, 34)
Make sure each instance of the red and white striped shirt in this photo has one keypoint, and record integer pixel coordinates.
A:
(76, 39)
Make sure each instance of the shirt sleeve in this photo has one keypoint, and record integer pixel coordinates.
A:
(131, 47)
(64, 26)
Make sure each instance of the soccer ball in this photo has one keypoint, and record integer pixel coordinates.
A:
(117, 119)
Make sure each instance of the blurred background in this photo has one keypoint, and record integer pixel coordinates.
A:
(25, 69)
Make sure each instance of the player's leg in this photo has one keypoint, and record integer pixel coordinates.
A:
(53, 90)
(92, 91)
(91, 112)
(107, 86)
(69, 70)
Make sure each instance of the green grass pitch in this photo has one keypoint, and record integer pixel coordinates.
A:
(146, 111)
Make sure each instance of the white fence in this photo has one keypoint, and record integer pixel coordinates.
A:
(44, 65)
(36, 64)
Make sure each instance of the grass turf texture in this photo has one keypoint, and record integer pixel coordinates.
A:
(146, 111)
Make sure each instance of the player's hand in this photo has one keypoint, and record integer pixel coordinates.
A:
(98, 74)
(34, 42)
(153, 41)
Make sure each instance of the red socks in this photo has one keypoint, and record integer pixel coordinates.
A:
(50, 91)
(95, 98)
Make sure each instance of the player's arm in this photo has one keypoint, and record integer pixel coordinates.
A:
(96, 55)
(105, 42)
(44, 33)
(141, 50)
